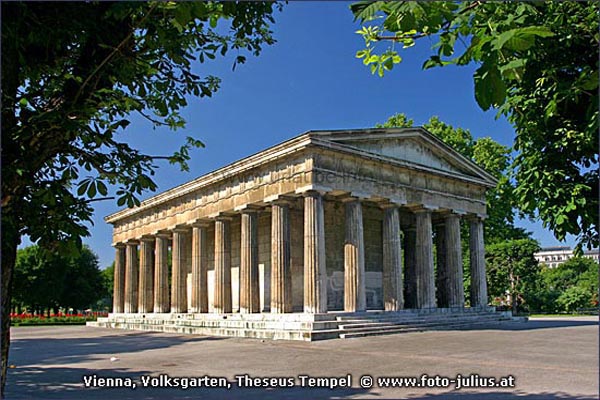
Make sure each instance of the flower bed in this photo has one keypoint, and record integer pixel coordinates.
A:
(54, 319)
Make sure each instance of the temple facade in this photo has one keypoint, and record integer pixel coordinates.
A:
(328, 222)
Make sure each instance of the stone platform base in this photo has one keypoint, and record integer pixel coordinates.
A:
(306, 327)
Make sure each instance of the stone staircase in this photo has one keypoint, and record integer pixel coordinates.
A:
(352, 327)
(306, 327)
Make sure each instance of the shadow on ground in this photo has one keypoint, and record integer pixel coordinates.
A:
(42, 383)
(73, 350)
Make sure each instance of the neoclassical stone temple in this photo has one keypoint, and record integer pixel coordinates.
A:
(294, 240)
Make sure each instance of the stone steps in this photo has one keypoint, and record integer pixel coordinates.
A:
(373, 329)
(300, 326)
(404, 320)
(256, 333)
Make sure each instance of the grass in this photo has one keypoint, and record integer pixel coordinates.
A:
(29, 320)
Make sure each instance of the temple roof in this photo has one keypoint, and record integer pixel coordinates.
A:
(414, 148)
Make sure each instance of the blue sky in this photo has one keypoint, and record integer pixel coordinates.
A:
(310, 79)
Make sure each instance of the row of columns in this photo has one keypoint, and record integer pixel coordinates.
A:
(150, 293)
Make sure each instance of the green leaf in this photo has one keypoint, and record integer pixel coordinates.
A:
(520, 38)
(91, 191)
(490, 89)
(83, 186)
(365, 10)
(102, 188)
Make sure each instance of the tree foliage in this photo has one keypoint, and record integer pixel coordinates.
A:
(72, 75)
(538, 65)
(44, 280)
(513, 271)
(489, 154)
(569, 286)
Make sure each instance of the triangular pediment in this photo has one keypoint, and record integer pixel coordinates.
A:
(413, 146)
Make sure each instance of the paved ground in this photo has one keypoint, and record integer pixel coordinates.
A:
(550, 359)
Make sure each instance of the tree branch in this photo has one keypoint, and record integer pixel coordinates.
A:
(444, 26)
(87, 201)
(111, 55)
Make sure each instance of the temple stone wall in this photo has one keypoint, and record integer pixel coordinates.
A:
(334, 249)
(373, 231)
(297, 255)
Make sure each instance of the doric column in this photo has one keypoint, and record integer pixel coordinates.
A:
(249, 294)
(315, 274)
(181, 256)
(410, 277)
(441, 266)
(425, 296)
(146, 285)
(479, 296)
(119, 279)
(455, 291)
(161, 274)
(131, 277)
(354, 258)
(281, 274)
(393, 299)
(222, 293)
(199, 300)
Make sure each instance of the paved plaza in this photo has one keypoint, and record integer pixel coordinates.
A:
(549, 358)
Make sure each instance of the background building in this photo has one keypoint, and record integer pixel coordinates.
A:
(554, 256)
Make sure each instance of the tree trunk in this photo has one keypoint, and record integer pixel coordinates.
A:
(10, 240)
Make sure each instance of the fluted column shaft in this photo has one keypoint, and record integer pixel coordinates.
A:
(479, 295)
(354, 259)
(180, 250)
(455, 290)
(199, 300)
(249, 288)
(393, 299)
(146, 285)
(315, 274)
(441, 273)
(131, 278)
(119, 279)
(281, 274)
(161, 274)
(222, 293)
(425, 297)
(410, 277)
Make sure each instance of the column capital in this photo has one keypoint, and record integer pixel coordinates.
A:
(390, 204)
(313, 188)
(133, 242)
(221, 216)
(147, 238)
(313, 193)
(455, 213)
(248, 208)
(476, 217)
(163, 234)
(182, 229)
(423, 208)
(351, 199)
(119, 245)
(355, 196)
(200, 223)
(279, 199)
